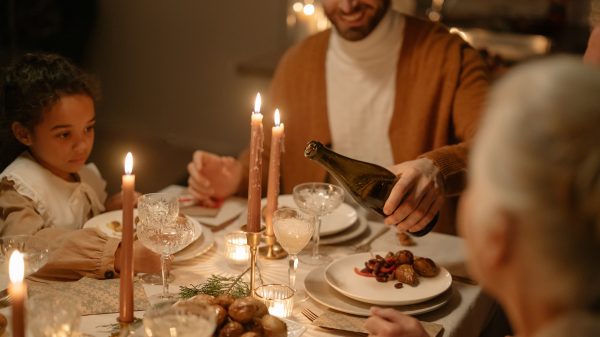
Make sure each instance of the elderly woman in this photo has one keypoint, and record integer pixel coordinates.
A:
(531, 217)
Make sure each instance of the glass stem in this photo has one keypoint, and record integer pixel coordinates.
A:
(164, 264)
(317, 238)
(292, 270)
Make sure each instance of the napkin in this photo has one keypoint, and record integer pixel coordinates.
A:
(334, 320)
(95, 296)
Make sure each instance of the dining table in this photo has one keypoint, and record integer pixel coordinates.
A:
(466, 313)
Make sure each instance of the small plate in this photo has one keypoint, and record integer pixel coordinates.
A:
(358, 228)
(317, 288)
(340, 275)
(340, 219)
(102, 222)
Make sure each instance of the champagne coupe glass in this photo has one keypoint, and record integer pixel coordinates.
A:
(160, 231)
(293, 230)
(317, 199)
(181, 319)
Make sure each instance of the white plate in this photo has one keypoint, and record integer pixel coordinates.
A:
(338, 220)
(341, 276)
(318, 289)
(202, 241)
(358, 228)
(101, 222)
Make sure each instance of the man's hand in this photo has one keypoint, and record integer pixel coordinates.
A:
(392, 323)
(213, 177)
(417, 196)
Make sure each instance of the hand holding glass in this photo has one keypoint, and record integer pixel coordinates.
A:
(293, 229)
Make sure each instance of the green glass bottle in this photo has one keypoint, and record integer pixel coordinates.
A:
(368, 184)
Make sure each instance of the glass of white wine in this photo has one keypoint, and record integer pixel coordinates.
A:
(293, 229)
(318, 199)
(161, 232)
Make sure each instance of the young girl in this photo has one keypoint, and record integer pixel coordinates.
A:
(46, 188)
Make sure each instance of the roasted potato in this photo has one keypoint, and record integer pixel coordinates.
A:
(407, 275)
(425, 267)
(231, 329)
(243, 310)
(224, 300)
(404, 257)
(273, 327)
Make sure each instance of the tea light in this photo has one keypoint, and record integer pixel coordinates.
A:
(237, 250)
(278, 298)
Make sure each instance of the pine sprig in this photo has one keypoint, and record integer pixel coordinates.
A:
(217, 285)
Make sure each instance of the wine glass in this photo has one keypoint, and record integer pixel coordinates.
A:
(181, 319)
(317, 199)
(35, 254)
(161, 232)
(293, 229)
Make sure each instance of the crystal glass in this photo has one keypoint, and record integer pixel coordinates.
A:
(278, 298)
(161, 232)
(35, 254)
(237, 251)
(317, 199)
(54, 316)
(293, 229)
(181, 319)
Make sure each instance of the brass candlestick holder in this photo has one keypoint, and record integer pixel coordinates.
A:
(253, 240)
(273, 250)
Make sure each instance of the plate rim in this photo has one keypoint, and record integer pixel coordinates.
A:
(363, 225)
(318, 274)
(344, 292)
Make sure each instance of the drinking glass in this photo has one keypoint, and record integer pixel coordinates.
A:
(35, 255)
(54, 316)
(293, 229)
(317, 199)
(161, 232)
(181, 319)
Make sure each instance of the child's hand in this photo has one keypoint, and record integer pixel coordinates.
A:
(115, 201)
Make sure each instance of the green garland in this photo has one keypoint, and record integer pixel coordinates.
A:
(218, 285)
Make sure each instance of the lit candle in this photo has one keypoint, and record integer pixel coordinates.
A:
(18, 293)
(126, 282)
(255, 168)
(277, 134)
(237, 250)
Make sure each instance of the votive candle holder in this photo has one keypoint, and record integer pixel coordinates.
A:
(278, 298)
(237, 251)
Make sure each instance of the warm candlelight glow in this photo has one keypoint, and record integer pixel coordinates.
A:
(277, 118)
(257, 103)
(237, 250)
(128, 163)
(16, 267)
(309, 9)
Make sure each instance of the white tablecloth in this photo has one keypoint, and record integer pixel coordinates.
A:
(465, 315)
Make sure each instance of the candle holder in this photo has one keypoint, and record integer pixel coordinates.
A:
(278, 298)
(273, 250)
(253, 240)
(237, 251)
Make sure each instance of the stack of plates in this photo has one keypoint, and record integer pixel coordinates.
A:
(337, 286)
(341, 225)
(203, 239)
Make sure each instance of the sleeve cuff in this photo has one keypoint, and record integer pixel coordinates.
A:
(107, 262)
(452, 162)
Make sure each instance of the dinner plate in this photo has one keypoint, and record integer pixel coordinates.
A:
(338, 220)
(341, 276)
(317, 288)
(102, 223)
(196, 248)
(354, 231)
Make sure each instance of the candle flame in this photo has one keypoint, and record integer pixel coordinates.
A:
(16, 267)
(257, 103)
(128, 163)
(277, 117)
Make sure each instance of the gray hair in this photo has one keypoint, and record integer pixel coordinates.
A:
(538, 151)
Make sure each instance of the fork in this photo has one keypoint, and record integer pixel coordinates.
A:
(309, 314)
(365, 247)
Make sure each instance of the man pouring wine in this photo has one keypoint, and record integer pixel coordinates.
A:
(380, 87)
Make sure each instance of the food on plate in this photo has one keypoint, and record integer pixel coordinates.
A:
(425, 267)
(407, 275)
(405, 239)
(245, 316)
(401, 266)
(116, 226)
